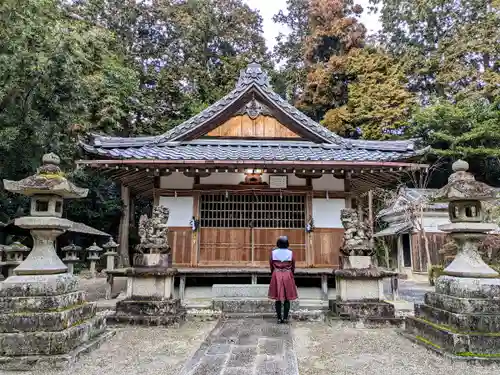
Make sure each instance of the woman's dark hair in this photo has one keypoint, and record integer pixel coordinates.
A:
(282, 243)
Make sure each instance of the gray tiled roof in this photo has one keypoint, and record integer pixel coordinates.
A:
(251, 150)
(253, 84)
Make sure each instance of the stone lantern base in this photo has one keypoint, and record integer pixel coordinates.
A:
(150, 299)
(360, 293)
(461, 319)
(45, 321)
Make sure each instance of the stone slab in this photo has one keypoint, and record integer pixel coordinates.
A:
(363, 309)
(358, 289)
(485, 323)
(166, 321)
(247, 305)
(464, 287)
(46, 321)
(51, 343)
(38, 303)
(252, 346)
(38, 285)
(149, 307)
(462, 305)
(474, 360)
(240, 290)
(151, 285)
(39, 362)
(453, 342)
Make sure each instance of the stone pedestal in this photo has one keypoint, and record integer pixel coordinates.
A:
(461, 319)
(360, 292)
(45, 321)
(149, 298)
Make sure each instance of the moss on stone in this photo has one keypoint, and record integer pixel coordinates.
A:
(481, 355)
(453, 330)
(425, 341)
(59, 309)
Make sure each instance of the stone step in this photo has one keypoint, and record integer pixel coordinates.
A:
(449, 341)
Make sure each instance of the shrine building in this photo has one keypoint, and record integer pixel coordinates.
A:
(248, 169)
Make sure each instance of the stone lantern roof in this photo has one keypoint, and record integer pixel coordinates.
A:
(48, 180)
(72, 247)
(463, 186)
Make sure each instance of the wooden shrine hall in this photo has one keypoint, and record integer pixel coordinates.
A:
(248, 169)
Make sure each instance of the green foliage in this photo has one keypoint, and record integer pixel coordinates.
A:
(379, 106)
(468, 129)
(448, 48)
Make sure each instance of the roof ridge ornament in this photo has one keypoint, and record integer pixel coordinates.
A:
(253, 73)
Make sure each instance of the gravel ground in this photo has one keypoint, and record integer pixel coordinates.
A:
(341, 349)
(139, 351)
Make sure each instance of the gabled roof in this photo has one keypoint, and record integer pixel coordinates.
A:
(408, 196)
(183, 143)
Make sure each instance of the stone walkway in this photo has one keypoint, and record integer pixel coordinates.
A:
(249, 346)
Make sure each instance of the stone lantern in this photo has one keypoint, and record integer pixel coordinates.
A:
(14, 256)
(71, 256)
(461, 318)
(41, 304)
(110, 254)
(94, 257)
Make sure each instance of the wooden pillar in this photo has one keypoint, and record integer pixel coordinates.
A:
(195, 243)
(347, 189)
(156, 185)
(309, 236)
(123, 260)
(370, 216)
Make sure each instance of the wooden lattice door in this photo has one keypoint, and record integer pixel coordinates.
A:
(241, 228)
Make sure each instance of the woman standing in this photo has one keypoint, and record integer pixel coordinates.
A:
(282, 288)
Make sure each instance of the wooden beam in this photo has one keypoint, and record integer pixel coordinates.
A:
(123, 260)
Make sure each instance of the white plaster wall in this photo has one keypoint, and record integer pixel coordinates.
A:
(231, 178)
(181, 210)
(326, 212)
(176, 180)
(328, 182)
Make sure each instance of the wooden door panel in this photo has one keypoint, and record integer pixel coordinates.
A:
(265, 241)
(230, 246)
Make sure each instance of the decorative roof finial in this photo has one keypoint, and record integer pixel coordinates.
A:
(253, 73)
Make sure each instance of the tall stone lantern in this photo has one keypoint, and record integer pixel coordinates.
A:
(44, 319)
(461, 318)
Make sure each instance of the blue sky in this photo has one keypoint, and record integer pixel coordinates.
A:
(268, 8)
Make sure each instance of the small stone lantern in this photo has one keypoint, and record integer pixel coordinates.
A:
(14, 256)
(110, 248)
(71, 256)
(461, 319)
(94, 257)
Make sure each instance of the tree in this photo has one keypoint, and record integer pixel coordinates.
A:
(468, 129)
(187, 53)
(335, 33)
(56, 75)
(290, 48)
(379, 106)
(448, 48)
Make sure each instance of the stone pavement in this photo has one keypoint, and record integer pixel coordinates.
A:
(249, 346)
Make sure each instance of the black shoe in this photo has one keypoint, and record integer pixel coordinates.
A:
(280, 321)
(285, 321)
